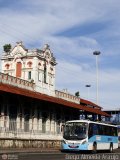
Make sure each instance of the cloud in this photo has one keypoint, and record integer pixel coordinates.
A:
(74, 29)
(75, 77)
(65, 46)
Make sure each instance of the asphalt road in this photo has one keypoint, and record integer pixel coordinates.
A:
(62, 156)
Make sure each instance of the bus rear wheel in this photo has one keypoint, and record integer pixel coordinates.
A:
(94, 148)
(111, 148)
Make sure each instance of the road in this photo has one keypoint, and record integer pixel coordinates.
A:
(62, 156)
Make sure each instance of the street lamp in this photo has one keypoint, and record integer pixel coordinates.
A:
(88, 87)
(96, 53)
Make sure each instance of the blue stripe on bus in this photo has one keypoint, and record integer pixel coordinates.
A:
(104, 139)
(95, 138)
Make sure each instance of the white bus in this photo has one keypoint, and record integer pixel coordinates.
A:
(119, 136)
(88, 135)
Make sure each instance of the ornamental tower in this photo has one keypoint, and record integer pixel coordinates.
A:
(37, 66)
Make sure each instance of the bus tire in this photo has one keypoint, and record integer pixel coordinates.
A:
(111, 148)
(94, 148)
(62, 150)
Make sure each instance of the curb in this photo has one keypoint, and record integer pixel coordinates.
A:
(28, 151)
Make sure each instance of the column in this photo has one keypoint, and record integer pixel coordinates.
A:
(22, 118)
(35, 120)
(53, 123)
(0, 113)
(2, 116)
(18, 117)
(5, 115)
(48, 124)
(40, 121)
(31, 119)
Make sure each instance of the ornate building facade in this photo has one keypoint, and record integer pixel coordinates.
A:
(32, 112)
(35, 65)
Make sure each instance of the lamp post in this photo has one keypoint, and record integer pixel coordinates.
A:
(96, 53)
(88, 87)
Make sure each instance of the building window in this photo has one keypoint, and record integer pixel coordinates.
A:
(45, 74)
(39, 76)
(50, 79)
(39, 64)
(29, 75)
(18, 69)
(51, 68)
(29, 64)
(7, 66)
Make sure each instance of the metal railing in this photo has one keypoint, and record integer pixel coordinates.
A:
(29, 130)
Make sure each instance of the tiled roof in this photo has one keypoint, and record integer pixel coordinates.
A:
(36, 95)
(86, 102)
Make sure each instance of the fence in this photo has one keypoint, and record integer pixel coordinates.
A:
(30, 130)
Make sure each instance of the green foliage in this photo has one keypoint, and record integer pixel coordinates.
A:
(77, 94)
(7, 47)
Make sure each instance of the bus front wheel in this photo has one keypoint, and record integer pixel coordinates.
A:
(111, 148)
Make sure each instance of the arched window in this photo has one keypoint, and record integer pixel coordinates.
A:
(45, 73)
(39, 64)
(7, 66)
(29, 64)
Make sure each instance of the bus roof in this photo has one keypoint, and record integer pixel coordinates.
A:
(88, 121)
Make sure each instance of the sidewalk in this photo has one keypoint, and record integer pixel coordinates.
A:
(27, 150)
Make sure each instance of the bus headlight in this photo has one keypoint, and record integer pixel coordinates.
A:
(84, 142)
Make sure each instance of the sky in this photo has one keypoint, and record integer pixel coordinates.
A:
(74, 29)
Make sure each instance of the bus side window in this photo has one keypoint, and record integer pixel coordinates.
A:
(100, 130)
(90, 131)
(114, 131)
(95, 129)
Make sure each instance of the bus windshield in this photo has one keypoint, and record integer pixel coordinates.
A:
(75, 130)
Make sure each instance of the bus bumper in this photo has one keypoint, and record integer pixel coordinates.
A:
(79, 147)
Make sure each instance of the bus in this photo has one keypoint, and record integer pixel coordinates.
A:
(88, 135)
(119, 136)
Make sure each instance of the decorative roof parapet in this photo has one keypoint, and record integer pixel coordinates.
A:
(17, 82)
(20, 49)
(66, 96)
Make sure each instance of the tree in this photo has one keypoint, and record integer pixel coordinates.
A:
(7, 48)
(77, 94)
